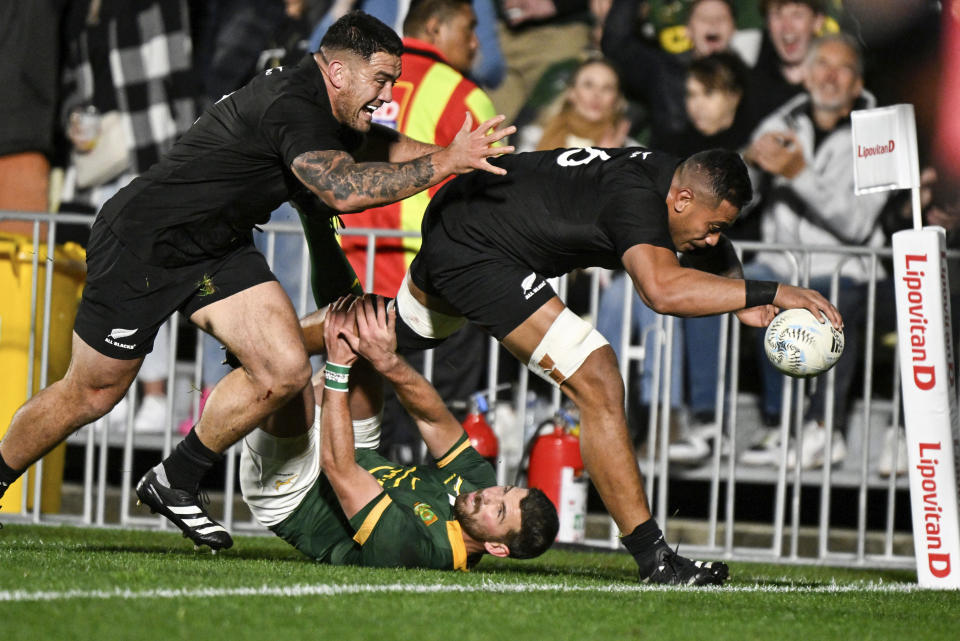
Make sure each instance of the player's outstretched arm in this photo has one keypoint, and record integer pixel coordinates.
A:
(377, 342)
(722, 260)
(383, 144)
(354, 486)
(347, 186)
(669, 288)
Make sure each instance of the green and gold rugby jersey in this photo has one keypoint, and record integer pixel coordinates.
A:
(409, 524)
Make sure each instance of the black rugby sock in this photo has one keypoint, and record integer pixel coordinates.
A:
(642, 543)
(7, 476)
(187, 464)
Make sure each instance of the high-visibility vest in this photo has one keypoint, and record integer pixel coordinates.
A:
(430, 101)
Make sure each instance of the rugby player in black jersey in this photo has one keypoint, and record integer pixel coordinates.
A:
(179, 237)
(490, 242)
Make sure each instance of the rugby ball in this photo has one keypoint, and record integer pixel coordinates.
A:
(801, 346)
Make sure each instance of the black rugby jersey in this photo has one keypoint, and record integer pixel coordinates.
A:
(558, 210)
(230, 170)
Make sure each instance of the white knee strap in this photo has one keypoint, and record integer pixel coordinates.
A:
(426, 322)
(564, 347)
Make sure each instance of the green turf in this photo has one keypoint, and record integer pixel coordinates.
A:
(146, 585)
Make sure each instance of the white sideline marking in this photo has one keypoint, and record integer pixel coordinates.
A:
(321, 589)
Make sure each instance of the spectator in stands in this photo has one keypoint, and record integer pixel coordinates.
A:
(488, 68)
(590, 113)
(230, 37)
(715, 87)
(535, 34)
(717, 117)
(127, 96)
(804, 173)
(665, 21)
(655, 77)
(30, 51)
(549, 90)
(778, 75)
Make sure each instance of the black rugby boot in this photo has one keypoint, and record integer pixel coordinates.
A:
(672, 569)
(184, 509)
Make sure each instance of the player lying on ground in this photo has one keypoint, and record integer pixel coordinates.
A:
(325, 490)
(490, 242)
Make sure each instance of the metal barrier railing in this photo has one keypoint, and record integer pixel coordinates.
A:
(720, 533)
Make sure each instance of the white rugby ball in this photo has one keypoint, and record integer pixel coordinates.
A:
(801, 346)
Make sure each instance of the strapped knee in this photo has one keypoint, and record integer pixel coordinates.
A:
(564, 347)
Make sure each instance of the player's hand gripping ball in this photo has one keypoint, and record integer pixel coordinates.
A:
(801, 346)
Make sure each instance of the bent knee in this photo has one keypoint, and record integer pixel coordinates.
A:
(565, 348)
(283, 375)
(92, 400)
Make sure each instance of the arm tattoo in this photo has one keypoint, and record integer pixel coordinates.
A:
(374, 183)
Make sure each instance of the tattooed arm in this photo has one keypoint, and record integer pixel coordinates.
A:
(346, 185)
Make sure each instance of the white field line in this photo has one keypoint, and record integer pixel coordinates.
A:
(322, 589)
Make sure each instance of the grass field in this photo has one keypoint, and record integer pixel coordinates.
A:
(98, 584)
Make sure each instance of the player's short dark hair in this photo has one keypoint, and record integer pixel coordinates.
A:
(538, 526)
(817, 6)
(363, 35)
(723, 173)
(422, 10)
(720, 71)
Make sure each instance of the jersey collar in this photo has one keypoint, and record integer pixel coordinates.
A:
(309, 63)
(457, 546)
(665, 174)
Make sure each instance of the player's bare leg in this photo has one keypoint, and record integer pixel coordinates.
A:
(93, 384)
(312, 327)
(596, 387)
(259, 326)
(296, 417)
(597, 390)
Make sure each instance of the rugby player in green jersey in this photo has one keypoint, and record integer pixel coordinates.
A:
(325, 490)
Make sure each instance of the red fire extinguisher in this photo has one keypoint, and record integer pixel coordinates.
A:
(556, 467)
(481, 434)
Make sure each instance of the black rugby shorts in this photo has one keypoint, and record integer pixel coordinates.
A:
(125, 301)
(489, 289)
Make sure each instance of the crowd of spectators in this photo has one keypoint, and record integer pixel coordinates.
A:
(98, 89)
